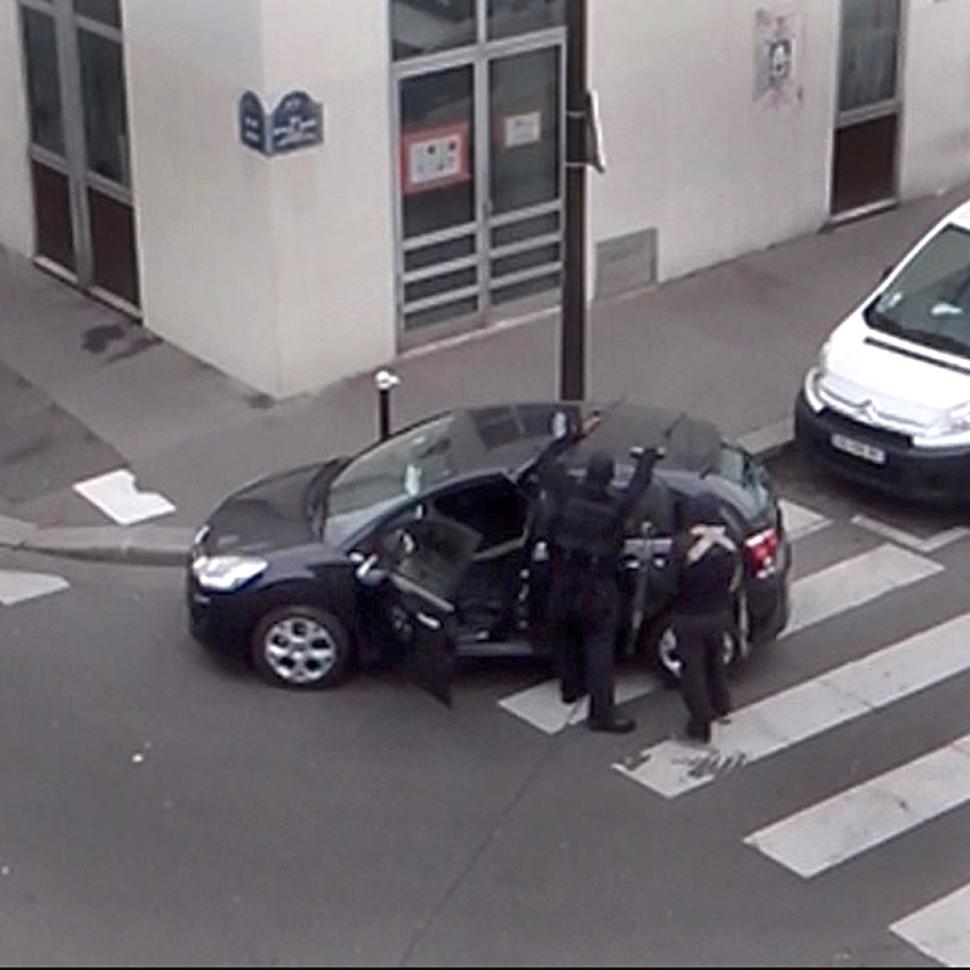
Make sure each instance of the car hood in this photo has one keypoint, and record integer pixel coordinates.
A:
(886, 382)
(264, 516)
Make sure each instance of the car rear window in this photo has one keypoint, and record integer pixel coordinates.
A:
(741, 469)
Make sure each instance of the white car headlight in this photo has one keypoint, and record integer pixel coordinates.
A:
(823, 359)
(958, 420)
(225, 574)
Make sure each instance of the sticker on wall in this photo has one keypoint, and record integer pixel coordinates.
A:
(777, 48)
(435, 158)
(522, 129)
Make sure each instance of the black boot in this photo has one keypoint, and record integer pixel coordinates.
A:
(700, 733)
(570, 695)
(612, 725)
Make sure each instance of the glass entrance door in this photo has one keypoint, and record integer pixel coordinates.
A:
(479, 133)
(524, 214)
(84, 218)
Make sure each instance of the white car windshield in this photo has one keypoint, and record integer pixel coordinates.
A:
(929, 302)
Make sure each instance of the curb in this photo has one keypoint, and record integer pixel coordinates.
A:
(153, 545)
(138, 546)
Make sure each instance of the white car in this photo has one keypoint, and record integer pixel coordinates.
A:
(888, 404)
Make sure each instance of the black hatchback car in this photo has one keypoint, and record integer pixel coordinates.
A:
(357, 560)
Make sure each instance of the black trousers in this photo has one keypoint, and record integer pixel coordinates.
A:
(584, 637)
(703, 680)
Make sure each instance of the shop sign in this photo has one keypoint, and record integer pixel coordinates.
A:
(435, 158)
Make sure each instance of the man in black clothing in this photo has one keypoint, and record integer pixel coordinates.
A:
(583, 525)
(707, 561)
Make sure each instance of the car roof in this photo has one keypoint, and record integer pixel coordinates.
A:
(505, 438)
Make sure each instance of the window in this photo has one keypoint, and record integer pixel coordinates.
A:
(497, 510)
(43, 81)
(105, 121)
(428, 26)
(930, 302)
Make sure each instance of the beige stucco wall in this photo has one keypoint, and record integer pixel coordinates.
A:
(935, 150)
(690, 151)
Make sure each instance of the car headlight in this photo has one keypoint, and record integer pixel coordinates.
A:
(225, 574)
(823, 359)
(815, 377)
(957, 420)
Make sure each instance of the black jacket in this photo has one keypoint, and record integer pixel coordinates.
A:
(706, 563)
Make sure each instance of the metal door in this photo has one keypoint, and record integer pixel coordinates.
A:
(79, 145)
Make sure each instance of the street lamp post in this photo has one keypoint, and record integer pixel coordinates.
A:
(573, 336)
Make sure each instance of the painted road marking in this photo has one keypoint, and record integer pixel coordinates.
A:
(903, 538)
(801, 521)
(541, 707)
(854, 821)
(941, 930)
(117, 495)
(854, 582)
(18, 587)
(673, 768)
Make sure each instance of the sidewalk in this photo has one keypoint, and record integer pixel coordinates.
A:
(730, 343)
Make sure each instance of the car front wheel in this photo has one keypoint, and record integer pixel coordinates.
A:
(301, 647)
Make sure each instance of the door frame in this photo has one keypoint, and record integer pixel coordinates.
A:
(479, 57)
(891, 107)
(74, 165)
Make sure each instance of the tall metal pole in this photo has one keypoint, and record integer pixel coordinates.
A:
(573, 337)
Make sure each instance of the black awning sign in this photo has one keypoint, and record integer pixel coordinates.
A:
(252, 122)
(297, 122)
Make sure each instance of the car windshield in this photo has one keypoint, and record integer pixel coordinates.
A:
(930, 301)
(387, 475)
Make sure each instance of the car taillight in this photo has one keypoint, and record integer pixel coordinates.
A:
(762, 548)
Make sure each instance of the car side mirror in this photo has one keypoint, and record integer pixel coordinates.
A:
(886, 273)
(369, 574)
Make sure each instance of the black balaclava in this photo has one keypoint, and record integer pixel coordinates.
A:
(599, 472)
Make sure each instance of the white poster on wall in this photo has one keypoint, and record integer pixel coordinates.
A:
(777, 53)
(523, 129)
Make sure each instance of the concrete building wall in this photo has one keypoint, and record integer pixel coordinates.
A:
(936, 90)
(16, 203)
(332, 205)
(690, 151)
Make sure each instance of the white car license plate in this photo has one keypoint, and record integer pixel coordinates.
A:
(859, 449)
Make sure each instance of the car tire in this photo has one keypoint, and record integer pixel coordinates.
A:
(662, 651)
(300, 647)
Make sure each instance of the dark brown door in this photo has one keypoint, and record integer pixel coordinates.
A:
(867, 130)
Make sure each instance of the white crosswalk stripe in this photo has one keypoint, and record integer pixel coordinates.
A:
(18, 587)
(800, 521)
(541, 707)
(855, 582)
(852, 822)
(941, 930)
(672, 768)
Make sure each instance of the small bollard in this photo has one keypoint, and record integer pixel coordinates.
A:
(385, 381)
